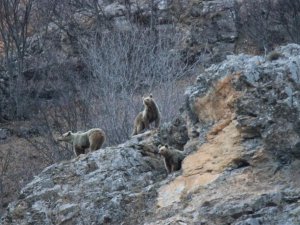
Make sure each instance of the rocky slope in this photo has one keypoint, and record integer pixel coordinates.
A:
(240, 127)
(243, 118)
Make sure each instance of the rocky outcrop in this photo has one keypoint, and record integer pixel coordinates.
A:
(244, 173)
(242, 127)
(110, 186)
(210, 31)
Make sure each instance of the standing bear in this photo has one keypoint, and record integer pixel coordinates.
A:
(148, 115)
(93, 139)
(172, 158)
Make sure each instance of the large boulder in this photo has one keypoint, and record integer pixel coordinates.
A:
(243, 122)
(109, 186)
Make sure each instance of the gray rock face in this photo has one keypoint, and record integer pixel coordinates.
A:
(174, 133)
(270, 111)
(210, 30)
(258, 186)
(208, 27)
(107, 186)
(269, 106)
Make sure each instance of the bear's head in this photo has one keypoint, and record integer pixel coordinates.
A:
(148, 101)
(66, 137)
(163, 150)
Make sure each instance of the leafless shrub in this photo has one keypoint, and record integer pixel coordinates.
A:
(288, 16)
(5, 161)
(121, 68)
(274, 55)
(16, 172)
(127, 65)
(61, 110)
(14, 27)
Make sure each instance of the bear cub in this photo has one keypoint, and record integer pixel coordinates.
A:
(148, 115)
(93, 139)
(172, 158)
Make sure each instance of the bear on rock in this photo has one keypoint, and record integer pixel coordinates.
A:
(172, 158)
(148, 115)
(93, 139)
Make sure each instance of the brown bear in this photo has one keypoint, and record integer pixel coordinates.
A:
(148, 115)
(92, 139)
(172, 158)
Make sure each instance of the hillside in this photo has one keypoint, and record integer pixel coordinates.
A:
(240, 129)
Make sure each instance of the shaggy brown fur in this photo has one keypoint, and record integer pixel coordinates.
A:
(148, 115)
(172, 158)
(93, 139)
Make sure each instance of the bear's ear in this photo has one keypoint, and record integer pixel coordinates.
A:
(151, 96)
(167, 146)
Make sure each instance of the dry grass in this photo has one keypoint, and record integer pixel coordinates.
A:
(274, 55)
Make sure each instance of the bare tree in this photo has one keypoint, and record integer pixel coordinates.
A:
(267, 23)
(288, 16)
(254, 20)
(14, 28)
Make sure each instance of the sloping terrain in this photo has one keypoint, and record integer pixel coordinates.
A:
(242, 167)
(245, 172)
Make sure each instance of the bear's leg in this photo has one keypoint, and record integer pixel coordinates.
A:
(140, 128)
(146, 124)
(134, 131)
(157, 121)
(168, 167)
(179, 165)
(78, 150)
(96, 141)
(173, 168)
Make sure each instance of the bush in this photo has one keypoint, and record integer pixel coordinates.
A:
(119, 69)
